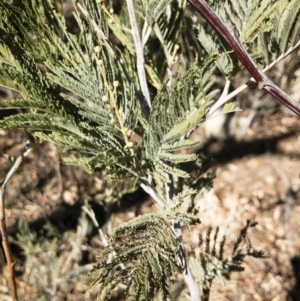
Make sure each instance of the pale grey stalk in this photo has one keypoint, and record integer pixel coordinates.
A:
(153, 193)
(92, 216)
(170, 190)
(139, 52)
(14, 168)
(81, 269)
(146, 185)
(220, 101)
(194, 294)
(146, 33)
(164, 45)
(176, 227)
(120, 62)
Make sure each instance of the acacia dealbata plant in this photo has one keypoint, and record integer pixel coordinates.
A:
(122, 91)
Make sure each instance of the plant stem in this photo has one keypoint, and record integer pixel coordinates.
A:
(226, 97)
(230, 37)
(3, 228)
(139, 52)
(101, 34)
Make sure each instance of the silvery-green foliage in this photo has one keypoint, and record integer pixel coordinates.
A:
(181, 108)
(81, 91)
(63, 85)
(268, 29)
(149, 248)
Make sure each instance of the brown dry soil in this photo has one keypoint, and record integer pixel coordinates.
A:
(258, 178)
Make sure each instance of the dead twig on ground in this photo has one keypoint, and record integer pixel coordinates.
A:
(3, 228)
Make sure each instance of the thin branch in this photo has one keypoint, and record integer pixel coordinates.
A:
(150, 189)
(104, 241)
(92, 216)
(139, 52)
(101, 34)
(230, 37)
(281, 57)
(170, 190)
(176, 227)
(81, 269)
(220, 101)
(3, 228)
(138, 93)
(225, 98)
(146, 33)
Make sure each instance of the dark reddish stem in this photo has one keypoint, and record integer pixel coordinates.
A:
(232, 40)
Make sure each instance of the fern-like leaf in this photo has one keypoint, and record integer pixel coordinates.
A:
(148, 248)
(268, 29)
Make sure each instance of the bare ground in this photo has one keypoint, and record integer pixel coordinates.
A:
(258, 178)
